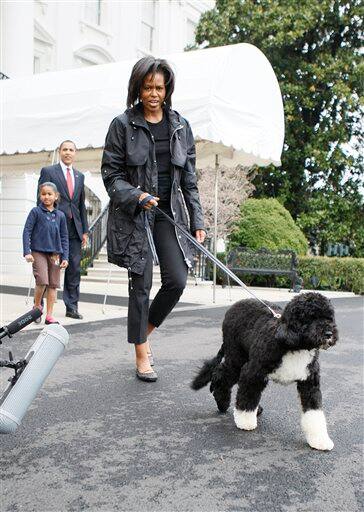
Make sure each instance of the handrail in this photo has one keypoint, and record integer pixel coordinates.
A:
(202, 265)
(96, 238)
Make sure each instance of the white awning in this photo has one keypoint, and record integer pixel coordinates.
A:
(229, 94)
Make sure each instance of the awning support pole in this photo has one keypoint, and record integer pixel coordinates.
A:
(215, 226)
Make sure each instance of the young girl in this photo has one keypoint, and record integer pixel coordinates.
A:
(45, 244)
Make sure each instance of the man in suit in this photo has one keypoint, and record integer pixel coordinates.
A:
(70, 185)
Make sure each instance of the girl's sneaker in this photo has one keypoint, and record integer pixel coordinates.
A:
(50, 320)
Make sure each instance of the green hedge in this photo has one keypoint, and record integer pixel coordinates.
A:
(335, 274)
(345, 274)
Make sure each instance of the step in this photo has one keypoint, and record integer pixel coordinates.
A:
(101, 257)
(118, 278)
(119, 274)
(114, 273)
(101, 274)
(105, 269)
(99, 279)
(124, 280)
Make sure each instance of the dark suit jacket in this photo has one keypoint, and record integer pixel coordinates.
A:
(76, 205)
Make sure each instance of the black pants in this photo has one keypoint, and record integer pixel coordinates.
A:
(72, 275)
(173, 276)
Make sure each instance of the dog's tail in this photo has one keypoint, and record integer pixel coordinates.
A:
(204, 376)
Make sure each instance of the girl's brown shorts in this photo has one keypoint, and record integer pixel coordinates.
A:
(45, 270)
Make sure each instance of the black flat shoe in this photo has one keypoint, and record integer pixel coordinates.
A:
(74, 314)
(146, 376)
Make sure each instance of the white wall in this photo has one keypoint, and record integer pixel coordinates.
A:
(16, 23)
(45, 35)
(18, 193)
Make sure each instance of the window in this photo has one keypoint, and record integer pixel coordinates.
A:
(83, 62)
(90, 55)
(147, 29)
(190, 32)
(43, 49)
(36, 64)
(147, 37)
(93, 11)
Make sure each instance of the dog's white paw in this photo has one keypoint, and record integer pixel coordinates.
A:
(320, 442)
(314, 426)
(246, 420)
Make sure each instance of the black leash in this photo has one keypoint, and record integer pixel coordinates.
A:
(207, 253)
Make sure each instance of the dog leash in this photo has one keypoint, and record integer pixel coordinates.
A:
(207, 253)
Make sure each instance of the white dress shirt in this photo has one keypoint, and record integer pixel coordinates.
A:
(64, 169)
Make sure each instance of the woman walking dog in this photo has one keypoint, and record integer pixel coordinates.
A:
(149, 150)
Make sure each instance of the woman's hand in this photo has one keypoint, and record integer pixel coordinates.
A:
(84, 240)
(200, 235)
(29, 258)
(64, 264)
(149, 204)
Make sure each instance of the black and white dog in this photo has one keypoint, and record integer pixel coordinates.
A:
(257, 347)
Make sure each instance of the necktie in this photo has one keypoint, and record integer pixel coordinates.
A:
(69, 183)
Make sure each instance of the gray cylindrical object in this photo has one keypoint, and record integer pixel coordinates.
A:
(41, 358)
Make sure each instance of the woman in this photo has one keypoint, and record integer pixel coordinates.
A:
(149, 150)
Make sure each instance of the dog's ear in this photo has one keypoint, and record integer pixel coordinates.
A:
(286, 335)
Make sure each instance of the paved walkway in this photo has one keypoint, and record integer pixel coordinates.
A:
(14, 290)
(98, 440)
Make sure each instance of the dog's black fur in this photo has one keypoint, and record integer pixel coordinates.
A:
(255, 343)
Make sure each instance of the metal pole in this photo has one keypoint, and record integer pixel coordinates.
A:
(215, 227)
(29, 288)
(107, 289)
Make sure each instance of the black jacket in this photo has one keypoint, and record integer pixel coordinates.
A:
(76, 205)
(129, 167)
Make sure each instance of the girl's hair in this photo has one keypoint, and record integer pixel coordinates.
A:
(48, 184)
(145, 66)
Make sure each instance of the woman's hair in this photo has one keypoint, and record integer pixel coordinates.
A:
(145, 66)
(48, 184)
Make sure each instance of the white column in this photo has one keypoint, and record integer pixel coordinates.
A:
(67, 32)
(18, 195)
(17, 33)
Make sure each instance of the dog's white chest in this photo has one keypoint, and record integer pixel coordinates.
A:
(293, 367)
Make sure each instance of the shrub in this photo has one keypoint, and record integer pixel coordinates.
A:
(345, 274)
(266, 223)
